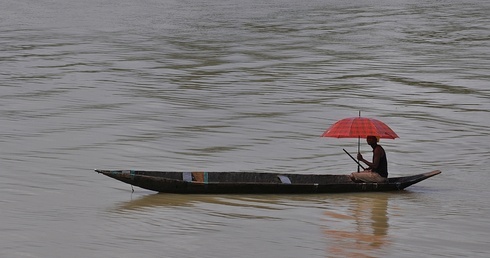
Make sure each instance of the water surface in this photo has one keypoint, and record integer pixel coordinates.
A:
(241, 86)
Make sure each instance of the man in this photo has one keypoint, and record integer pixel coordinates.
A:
(378, 168)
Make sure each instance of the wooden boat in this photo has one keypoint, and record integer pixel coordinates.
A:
(255, 183)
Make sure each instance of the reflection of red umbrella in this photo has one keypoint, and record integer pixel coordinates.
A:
(357, 127)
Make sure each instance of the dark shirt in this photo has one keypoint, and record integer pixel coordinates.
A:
(382, 168)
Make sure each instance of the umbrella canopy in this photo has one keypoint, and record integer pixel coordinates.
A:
(360, 127)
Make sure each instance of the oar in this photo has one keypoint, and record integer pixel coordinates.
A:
(354, 159)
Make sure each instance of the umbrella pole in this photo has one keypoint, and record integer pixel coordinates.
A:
(358, 147)
(358, 151)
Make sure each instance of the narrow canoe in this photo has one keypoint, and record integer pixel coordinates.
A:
(255, 183)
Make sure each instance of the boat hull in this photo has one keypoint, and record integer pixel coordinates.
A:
(255, 183)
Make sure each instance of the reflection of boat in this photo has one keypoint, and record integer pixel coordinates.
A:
(251, 182)
(180, 200)
(162, 200)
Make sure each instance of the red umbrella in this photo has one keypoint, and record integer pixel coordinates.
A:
(357, 127)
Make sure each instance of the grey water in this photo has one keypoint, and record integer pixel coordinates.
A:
(227, 85)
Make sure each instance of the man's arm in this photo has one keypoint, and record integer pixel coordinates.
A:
(376, 158)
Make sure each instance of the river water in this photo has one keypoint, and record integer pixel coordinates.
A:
(231, 85)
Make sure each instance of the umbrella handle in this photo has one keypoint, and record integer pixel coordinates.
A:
(354, 159)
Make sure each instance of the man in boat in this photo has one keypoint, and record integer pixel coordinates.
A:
(378, 168)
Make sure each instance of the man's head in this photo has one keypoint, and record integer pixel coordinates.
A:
(372, 140)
